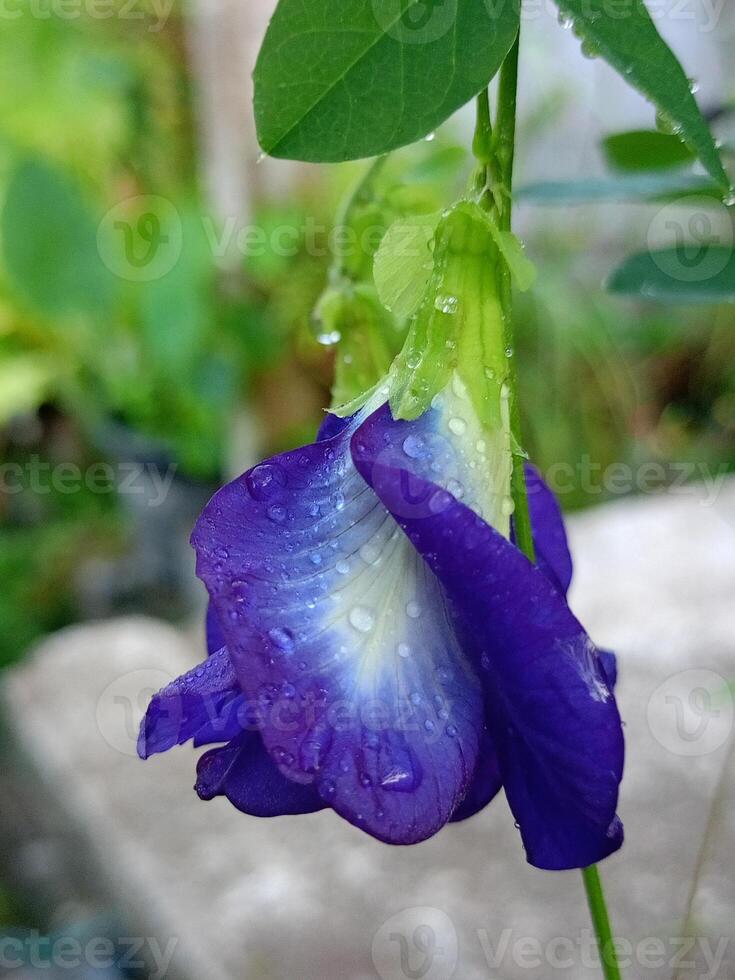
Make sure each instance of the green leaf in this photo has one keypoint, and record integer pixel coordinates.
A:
(512, 249)
(626, 37)
(341, 79)
(699, 273)
(403, 263)
(645, 149)
(50, 244)
(666, 186)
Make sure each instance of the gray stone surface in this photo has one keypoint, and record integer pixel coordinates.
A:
(308, 898)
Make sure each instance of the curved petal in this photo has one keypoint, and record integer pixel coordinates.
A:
(549, 535)
(244, 772)
(486, 783)
(200, 701)
(551, 713)
(214, 634)
(340, 632)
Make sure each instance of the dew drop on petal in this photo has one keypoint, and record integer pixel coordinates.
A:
(362, 619)
(413, 609)
(414, 446)
(404, 650)
(276, 513)
(265, 480)
(342, 566)
(507, 506)
(282, 638)
(457, 426)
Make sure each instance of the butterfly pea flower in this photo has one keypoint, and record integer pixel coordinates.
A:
(379, 645)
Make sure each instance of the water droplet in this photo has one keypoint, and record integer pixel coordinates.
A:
(315, 558)
(399, 779)
(481, 446)
(362, 619)
(693, 86)
(365, 780)
(415, 698)
(370, 554)
(451, 731)
(413, 360)
(565, 21)
(509, 351)
(505, 390)
(455, 488)
(507, 506)
(430, 138)
(429, 725)
(413, 609)
(338, 500)
(489, 374)
(283, 638)
(457, 426)
(276, 513)
(590, 49)
(342, 566)
(327, 338)
(729, 198)
(404, 650)
(414, 447)
(265, 481)
(446, 304)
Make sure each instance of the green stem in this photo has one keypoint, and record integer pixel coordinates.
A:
(501, 158)
(601, 922)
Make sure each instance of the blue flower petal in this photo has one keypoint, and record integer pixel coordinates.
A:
(549, 535)
(215, 636)
(486, 784)
(339, 631)
(245, 773)
(550, 711)
(198, 702)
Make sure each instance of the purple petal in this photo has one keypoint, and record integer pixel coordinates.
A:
(337, 628)
(245, 773)
(215, 636)
(486, 783)
(199, 701)
(551, 712)
(549, 536)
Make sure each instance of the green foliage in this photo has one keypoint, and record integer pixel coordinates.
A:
(633, 187)
(343, 79)
(50, 244)
(686, 273)
(645, 149)
(628, 40)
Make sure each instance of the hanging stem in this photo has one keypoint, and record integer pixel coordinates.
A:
(601, 922)
(495, 150)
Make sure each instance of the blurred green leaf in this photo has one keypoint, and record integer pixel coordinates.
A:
(628, 40)
(343, 79)
(50, 243)
(645, 149)
(665, 186)
(24, 382)
(701, 273)
(403, 263)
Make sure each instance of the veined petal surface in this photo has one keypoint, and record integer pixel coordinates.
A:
(550, 709)
(339, 631)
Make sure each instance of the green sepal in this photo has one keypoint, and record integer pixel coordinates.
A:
(353, 316)
(459, 325)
